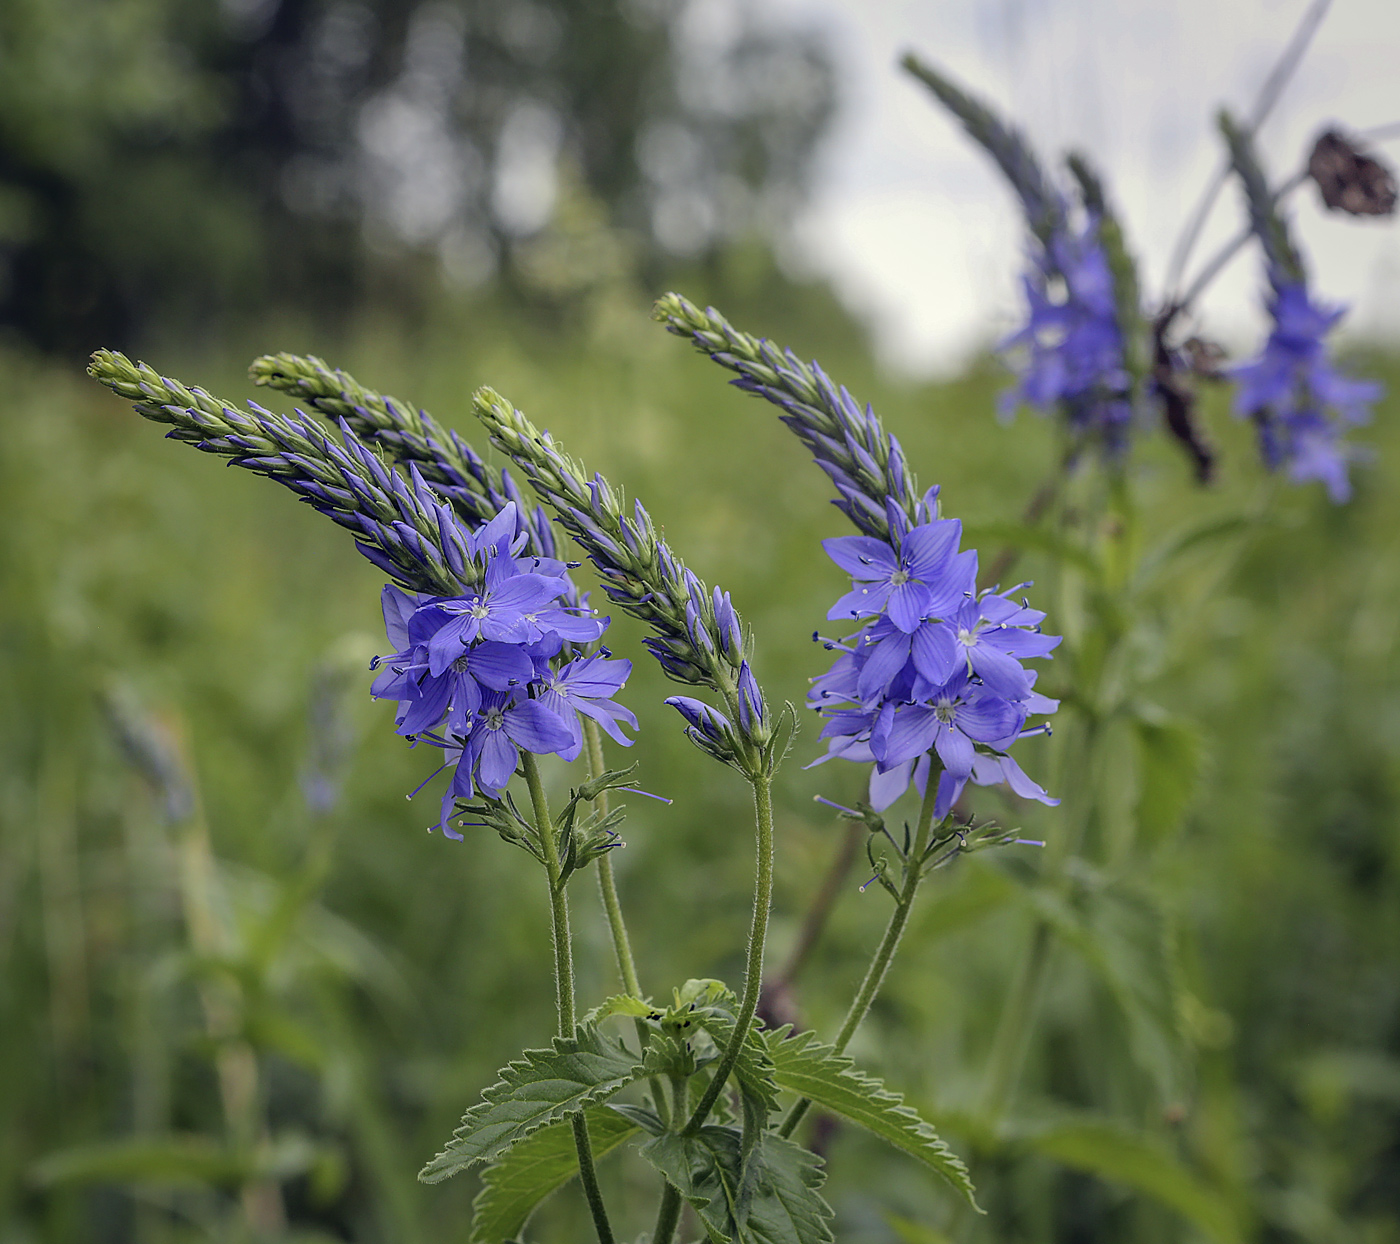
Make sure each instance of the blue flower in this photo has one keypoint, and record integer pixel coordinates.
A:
(1301, 404)
(906, 584)
(1073, 340)
(586, 685)
(487, 674)
(948, 685)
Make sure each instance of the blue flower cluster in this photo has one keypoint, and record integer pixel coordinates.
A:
(934, 671)
(1301, 404)
(486, 674)
(1073, 340)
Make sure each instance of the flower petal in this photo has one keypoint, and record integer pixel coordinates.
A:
(864, 558)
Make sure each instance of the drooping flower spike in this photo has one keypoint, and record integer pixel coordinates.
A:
(697, 636)
(476, 491)
(928, 647)
(1301, 404)
(401, 525)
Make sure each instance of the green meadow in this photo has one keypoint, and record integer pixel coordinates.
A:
(229, 1011)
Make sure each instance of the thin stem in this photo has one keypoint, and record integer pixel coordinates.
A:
(1268, 96)
(607, 884)
(612, 905)
(564, 983)
(1217, 262)
(884, 955)
(758, 936)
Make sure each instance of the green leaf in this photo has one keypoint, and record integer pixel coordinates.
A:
(911, 1232)
(621, 1004)
(803, 1066)
(1126, 938)
(754, 1066)
(778, 1203)
(542, 1087)
(1037, 539)
(180, 1160)
(537, 1167)
(176, 1160)
(1160, 558)
(1169, 757)
(1145, 1165)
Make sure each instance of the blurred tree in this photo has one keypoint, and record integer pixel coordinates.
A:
(188, 158)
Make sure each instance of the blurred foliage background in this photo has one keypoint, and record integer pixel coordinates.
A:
(244, 995)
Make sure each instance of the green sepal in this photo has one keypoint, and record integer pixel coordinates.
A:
(504, 817)
(513, 1187)
(583, 841)
(804, 1066)
(775, 1202)
(540, 1088)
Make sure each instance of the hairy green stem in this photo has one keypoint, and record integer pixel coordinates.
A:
(884, 954)
(758, 937)
(564, 984)
(607, 884)
(612, 905)
(668, 1214)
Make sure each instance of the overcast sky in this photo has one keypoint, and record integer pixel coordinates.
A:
(921, 236)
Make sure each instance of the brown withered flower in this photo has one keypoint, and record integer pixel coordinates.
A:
(1205, 358)
(1350, 180)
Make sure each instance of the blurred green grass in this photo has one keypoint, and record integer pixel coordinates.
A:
(221, 605)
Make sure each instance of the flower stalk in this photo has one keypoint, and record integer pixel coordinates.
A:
(564, 984)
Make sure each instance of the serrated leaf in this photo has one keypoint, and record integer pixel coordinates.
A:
(780, 1203)
(754, 1066)
(1169, 756)
(537, 1167)
(1145, 1165)
(540, 1088)
(810, 1069)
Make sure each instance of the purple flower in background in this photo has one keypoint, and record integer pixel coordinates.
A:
(1073, 341)
(1301, 404)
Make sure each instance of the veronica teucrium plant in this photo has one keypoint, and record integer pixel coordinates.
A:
(494, 661)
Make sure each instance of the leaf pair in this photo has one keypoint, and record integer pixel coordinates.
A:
(748, 1183)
